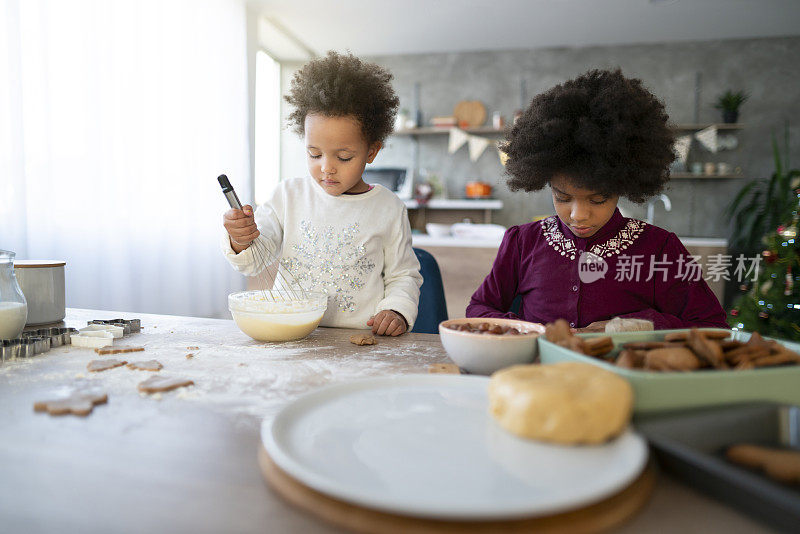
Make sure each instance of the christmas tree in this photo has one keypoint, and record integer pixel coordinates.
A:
(771, 303)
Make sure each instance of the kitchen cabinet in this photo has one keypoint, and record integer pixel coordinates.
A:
(447, 211)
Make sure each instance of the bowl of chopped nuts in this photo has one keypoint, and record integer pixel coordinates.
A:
(484, 345)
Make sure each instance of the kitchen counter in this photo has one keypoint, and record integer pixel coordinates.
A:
(185, 461)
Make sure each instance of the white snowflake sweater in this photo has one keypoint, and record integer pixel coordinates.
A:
(357, 248)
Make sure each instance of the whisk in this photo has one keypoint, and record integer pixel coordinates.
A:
(273, 277)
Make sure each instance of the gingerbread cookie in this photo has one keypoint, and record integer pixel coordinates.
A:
(95, 366)
(118, 350)
(156, 384)
(558, 331)
(149, 365)
(706, 349)
(782, 465)
(631, 359)
(671, 359)
(76, 404)
(709, 334)
(598, 346)
(362, 339)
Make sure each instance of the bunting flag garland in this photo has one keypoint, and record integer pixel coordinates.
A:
(503, 156)
(477, 145)
(708, 138)
(682, 145)
(457, 139)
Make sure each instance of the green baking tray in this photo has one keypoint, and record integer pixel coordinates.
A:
(658, 391)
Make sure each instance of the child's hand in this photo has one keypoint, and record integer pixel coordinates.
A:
(241, 227)
(387, 323)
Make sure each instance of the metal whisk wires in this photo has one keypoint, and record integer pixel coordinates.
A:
(272, 278)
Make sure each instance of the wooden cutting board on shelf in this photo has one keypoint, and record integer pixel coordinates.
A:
(470, 112)
(599, 517)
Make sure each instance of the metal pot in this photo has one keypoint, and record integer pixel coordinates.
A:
(42, 283)
(478, 190)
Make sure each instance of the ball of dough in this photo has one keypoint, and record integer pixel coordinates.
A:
(566, 403)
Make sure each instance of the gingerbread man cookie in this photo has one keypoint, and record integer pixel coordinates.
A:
(80, 404)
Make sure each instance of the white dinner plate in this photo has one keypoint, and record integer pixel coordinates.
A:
(425, 445)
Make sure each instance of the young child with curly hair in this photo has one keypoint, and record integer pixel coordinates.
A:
(592, 140)
(331, 230)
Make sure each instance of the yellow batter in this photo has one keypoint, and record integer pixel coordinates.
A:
(276, 319)
(276, 327)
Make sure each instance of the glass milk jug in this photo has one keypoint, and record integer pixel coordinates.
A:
(13, 307)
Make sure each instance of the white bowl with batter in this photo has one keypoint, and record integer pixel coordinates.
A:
(274, 316)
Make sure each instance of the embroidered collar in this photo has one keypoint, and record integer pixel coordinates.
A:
(629, 230)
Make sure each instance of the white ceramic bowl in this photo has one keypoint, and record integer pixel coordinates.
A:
(276, 318)
(438, 230)
(486, 353)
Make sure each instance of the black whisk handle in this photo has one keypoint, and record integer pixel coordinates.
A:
(227, 190)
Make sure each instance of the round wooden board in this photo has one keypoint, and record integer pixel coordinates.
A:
(471, 112)
(598, 517)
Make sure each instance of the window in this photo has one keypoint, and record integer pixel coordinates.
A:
(268, 126)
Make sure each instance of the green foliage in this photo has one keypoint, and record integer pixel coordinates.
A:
(763, 204)
(731, 100)
(767, 223)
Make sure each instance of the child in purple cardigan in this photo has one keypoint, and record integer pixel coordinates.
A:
(593, 140)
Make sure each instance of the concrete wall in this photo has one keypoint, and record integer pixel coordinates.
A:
(767, 68)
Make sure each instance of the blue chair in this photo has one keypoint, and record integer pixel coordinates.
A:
(432, 305)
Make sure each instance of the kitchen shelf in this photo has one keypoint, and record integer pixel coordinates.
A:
(490, 130)
(456, 204)
(704, 125)
(689, 175)
(446, 130)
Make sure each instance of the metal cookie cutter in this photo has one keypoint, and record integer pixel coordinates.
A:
(134, 326)
(9, 349)
(41, 342)
(55, 335)
(66, 334)
(26, 347)
(131, 326)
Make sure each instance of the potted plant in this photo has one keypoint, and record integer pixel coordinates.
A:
(729, 103)
(762, 204)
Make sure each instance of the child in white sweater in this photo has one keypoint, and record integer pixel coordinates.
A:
(332, 231)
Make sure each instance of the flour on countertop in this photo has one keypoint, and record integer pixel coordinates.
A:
(272, 374)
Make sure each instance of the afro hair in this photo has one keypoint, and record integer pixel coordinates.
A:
(605, 132)
(340, 85)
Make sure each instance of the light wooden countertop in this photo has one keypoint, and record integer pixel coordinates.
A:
(186, 461)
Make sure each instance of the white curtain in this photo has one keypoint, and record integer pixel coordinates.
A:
(116, 117)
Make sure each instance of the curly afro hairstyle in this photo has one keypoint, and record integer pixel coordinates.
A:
(340, 85)
(604, 131)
